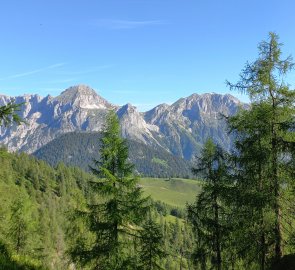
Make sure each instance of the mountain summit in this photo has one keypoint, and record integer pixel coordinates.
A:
(180, 128)
(84, 97)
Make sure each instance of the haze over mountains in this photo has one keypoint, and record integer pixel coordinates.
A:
(179, 129)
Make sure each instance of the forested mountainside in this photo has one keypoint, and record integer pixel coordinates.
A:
(180, 128)
(36, 201)
(37, 215)
(82, 148)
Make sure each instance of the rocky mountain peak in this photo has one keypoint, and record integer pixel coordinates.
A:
(127, 109)
(82, 96)
(206, 103)
(193, 96)
(232, 98)
(155, 114)
(134, 126)
(79, 89)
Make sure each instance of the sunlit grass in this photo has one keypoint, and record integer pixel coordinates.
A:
(175, 192)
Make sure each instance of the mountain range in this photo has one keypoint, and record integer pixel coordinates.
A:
(178, 130)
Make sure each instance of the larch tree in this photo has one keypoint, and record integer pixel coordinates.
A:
(264, 82)
(251, 203)
(208, 214)
(22, 225)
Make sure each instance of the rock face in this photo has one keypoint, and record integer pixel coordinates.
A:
(180, 128)
(189, 122)
(134, 126)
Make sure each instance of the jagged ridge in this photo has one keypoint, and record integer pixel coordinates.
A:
(180, 128)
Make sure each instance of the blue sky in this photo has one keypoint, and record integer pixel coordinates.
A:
(144, 52)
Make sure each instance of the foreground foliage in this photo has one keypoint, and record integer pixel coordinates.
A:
(245, 212)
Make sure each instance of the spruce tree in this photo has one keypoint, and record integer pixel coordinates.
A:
(208, 214)
(114, 217)
(264, 82)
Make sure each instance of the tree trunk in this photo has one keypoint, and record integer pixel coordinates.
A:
(262, 237)
(263, 252)
(274, 145)
(217, 235)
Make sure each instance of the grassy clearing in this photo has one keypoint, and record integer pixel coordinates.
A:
(175, 192)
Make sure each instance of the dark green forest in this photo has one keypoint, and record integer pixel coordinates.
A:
(244, 217)
(81, 148)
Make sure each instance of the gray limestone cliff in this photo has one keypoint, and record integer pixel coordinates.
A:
(180, 128)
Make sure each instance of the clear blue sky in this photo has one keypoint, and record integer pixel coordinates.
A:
(144, 52)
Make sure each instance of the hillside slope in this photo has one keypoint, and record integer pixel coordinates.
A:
(81, 148)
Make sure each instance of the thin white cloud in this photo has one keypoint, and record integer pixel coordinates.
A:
(28, 73)
(87, 71)
(126, 24)
(61, 81)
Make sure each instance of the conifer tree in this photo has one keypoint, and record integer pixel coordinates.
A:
(208, 214)
(115, 216)
(151, 246)
(251, 203)
(8, 114)
(21, 222)
(272, 118)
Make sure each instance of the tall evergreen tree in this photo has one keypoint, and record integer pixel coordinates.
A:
(115, 216)
(251, 203)
(21, 222)
(151, 246)
(208, 214)
(264, 82)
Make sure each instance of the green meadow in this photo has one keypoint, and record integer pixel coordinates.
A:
(175, 192)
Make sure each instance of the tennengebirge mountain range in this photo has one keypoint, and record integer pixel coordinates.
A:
(167, 132)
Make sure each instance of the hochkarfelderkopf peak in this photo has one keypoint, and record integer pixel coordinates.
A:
(84, 97)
